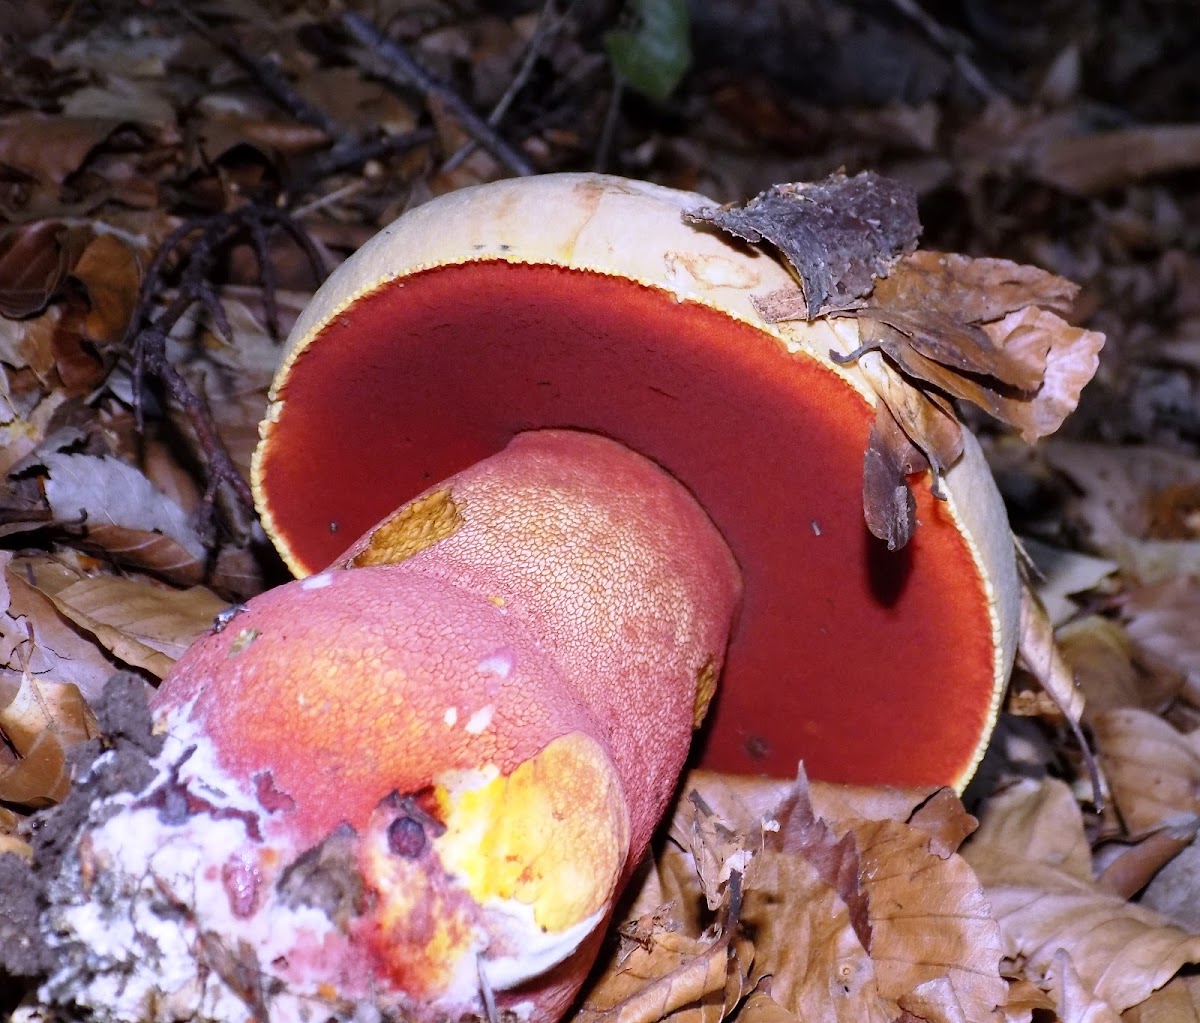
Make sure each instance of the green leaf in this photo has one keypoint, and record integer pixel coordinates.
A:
(653, 55)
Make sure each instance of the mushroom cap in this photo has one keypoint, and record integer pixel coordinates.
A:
(585, 301)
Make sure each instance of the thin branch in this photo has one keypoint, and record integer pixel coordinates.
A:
(401, 69)
(532, 51)
(949, 44)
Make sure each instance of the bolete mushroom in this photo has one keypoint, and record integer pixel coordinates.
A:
(417, 780)
(585, 301)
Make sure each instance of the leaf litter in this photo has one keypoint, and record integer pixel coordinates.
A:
(852, 904)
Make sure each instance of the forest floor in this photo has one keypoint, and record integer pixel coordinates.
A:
(177, 179)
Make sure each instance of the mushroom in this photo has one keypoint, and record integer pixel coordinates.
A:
(576, 461)
(585, 301)
(411, 782)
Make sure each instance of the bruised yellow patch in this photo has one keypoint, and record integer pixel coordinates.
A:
(414, 528)
(706, 689)
(553, 834)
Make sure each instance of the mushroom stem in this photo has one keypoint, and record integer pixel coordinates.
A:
(467, 729)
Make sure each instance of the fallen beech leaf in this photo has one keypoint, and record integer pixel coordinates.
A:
(663, 973)
(1177, 1001)
(1063, 574)
(145, 626)
(889, 507)
(120, 511)
(1120, 951)
(40, 720)
(1116, 506)
(35, 259)
(945, 822)
(1072, 360)
(839, 234)
(1040, 655)
(760, 1007)
(930, 919)
(1153, 770)
(35, 638)
(1099, 653)
(1034, 822)
(1134, 868)
(1161, 622)
(972, 289)
(1024, 1000)
(717, 850)
(1073, 1002)
(109, 271)
(1088, 164)
(50, 148)
(805, 942)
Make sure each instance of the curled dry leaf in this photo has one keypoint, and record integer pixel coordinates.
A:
(1073, 1001)
(36, 639)
(146, 626)
(716, 848)
(1161, 622)
(930, 920)
(110, 272)
(1153, 770)
(40, 721)
(1177, 1001)
(119, 510)
(839, 235)
(1029, 853)
(864, 906)
(666, 975)
(35, 259)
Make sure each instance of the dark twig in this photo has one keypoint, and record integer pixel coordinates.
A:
(532, 50)
(399, 68)
(148, 342)
(269, 76)
(949, 44)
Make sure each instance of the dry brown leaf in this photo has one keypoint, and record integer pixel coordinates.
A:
(1088, 164)
(1027, 855)
(930, 919)
(1161, 623)
(760, 1007)
(40, 720)
(35, 638)
(1153, 770)
(144, 625)
(1040, 655)
(945, 822)
(117, 509)
(889, 507)
(35, 259)
(48, 148)
(839, 235)
(1073, 356)
(1063, 574)
(662, 973)
(1099, 654)
(1117, 506)
(716, 848)
(806, 944)
(1135, 865)
(1073, 1002)
(110, 272)
(1037, 823)
(1177, 1001)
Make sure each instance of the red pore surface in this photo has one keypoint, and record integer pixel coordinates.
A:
(871, 666)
